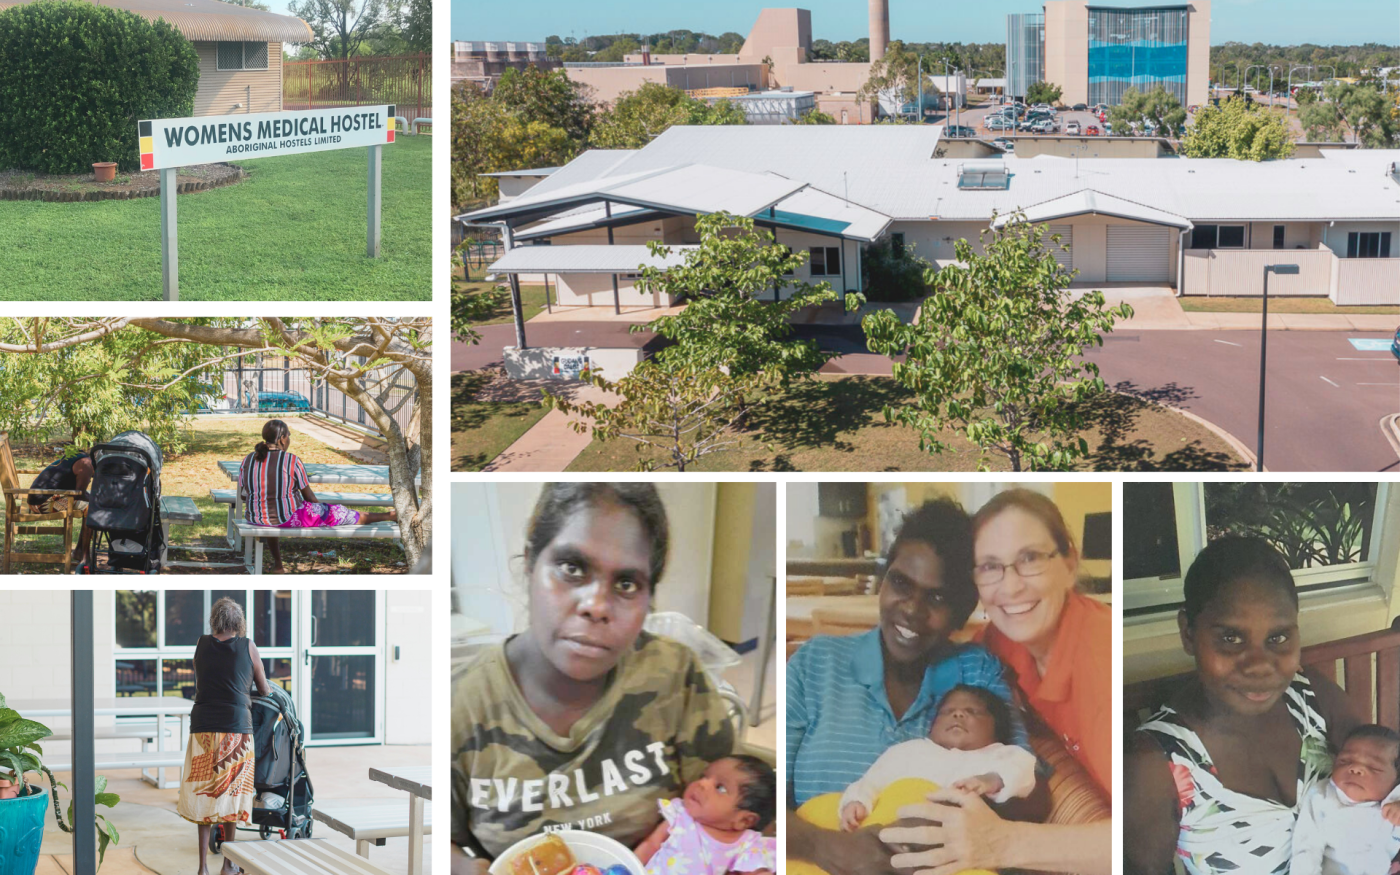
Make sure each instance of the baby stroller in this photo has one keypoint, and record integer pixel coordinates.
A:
(279, 773)
(124, 506)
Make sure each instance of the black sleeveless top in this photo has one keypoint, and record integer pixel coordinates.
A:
(223, 678)
(59, 475)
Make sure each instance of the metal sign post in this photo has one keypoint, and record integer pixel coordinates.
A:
(169, 144)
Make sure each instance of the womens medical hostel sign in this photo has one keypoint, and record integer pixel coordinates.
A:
(181, 142)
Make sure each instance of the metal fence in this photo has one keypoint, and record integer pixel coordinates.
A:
(406, 81)
(277, 386)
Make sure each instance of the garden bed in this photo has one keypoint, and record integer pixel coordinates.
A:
(23, 185)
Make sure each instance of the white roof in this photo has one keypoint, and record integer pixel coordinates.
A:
(585, 259)
(893, 170)
(1089, 202)
(538, 171)
(814, 210)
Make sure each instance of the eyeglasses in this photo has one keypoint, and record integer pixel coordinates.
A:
(1031, 563)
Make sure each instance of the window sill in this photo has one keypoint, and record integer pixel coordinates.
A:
(1354, 598)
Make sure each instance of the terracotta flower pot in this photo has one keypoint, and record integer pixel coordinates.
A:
(8, 789)
(104, 171)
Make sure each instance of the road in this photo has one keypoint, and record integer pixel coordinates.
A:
(1325, 398)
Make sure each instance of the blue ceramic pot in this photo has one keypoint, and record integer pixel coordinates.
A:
(22, 831)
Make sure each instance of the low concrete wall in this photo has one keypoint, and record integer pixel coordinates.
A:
(1367, 281)
(538, 363)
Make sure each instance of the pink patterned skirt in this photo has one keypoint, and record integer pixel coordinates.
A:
(313, 515)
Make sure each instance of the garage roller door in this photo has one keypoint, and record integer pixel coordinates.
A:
(1139, 253)
(1064, 258)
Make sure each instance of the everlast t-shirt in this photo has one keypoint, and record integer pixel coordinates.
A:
(657, 727)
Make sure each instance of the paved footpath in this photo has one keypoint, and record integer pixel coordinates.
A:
(551, 443)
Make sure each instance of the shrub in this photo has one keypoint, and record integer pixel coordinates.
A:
(75, 78)
(891, 277)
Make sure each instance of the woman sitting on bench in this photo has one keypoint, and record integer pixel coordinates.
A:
(272, 483)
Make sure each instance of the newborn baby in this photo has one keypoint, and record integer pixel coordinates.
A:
(715, 827)
(1347, 827)
(966, 748)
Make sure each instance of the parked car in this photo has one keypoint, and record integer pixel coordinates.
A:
(1108, 129)
(1000, 124)
(1092, 131)
(1006, 144)
(1395, 344)
(1081, 107)
(1072, 128)
(1044, 126)
(1099, 108)
(959, 131)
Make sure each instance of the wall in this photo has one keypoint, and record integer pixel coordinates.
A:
(512, 187)
(408, 688)
(596, 290)
(1336, 235)
(1198, 53)
(1080, 498)
(608, 83)
(1296, 235)
(744, 560)
(1367, 281)
(219, 90)
(1067, 48)
(1091, 147)
(929, 240)
(1241, 272)
(1089, 248)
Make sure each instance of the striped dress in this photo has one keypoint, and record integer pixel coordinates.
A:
(271, 489)
(839, 719)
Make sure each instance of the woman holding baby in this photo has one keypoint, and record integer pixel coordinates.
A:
(1017, 557)
(1232, 774)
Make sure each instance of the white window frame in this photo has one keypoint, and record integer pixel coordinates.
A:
(1189, 500)
(826, 263)
(242, 57)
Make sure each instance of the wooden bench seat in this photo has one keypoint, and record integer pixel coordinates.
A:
(368, 820)
(297, 857)
(253, 546)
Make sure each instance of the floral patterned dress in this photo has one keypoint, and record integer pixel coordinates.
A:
(1223, 830)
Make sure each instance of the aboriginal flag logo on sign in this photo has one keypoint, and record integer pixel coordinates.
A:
(148, 158)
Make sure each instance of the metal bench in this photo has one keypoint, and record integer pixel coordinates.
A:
(297, 857)
(349, 499)
(368, 820)
(253, 546)
(125, 759)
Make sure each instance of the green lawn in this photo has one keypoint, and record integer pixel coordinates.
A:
(835, 424)
(195, 472)
(481, 430)
(1204, 304)
(294, 230)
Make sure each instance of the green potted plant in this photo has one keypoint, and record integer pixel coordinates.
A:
(22, 804)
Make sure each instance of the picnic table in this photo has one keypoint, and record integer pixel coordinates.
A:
(364, 475)
(418, 782)
(159, 707)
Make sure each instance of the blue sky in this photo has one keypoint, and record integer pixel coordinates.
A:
(1280, 22)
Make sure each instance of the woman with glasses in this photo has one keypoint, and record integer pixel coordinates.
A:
(851, 698)
(1058, 647)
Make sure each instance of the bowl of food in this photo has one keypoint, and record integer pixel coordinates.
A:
(568, 852)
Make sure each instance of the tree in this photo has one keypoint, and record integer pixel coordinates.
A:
(1237, 129)
(638, 117)
(549, 97)
(684, 413)
(1366, 111)
(1320, 119)
(814, 117)
(727, 321)
(895, 75)
(364, 357)
(618, 50)
(487, 137)
(996, 352)
(339, 28)
(416, 25)
(1043, 92)
(1157, 110)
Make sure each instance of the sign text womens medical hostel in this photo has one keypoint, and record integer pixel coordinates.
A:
(185, 141)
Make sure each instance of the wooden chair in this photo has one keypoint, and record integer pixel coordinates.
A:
(1373, 691)
(844, 621)
(19, 521)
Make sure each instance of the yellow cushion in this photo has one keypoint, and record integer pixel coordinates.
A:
(825, 811)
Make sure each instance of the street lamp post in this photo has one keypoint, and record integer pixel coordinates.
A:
(1281, 270)
(1290, 81)
(1247, 69)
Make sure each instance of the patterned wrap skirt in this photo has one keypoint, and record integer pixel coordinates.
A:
(313, 515)
(216, 785)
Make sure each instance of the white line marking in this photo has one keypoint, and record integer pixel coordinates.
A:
(1371, 359)
(1394, 385)
(1329, 382)
(1228, 343)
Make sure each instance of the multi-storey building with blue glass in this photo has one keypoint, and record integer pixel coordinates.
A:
(1095, 53)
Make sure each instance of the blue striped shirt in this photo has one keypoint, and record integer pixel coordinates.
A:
(839, 719)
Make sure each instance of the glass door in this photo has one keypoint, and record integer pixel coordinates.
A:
(341, 666)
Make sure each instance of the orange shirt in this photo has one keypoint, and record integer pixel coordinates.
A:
(1075, 698)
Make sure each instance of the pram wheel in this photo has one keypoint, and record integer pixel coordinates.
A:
(264, 832)
(303, 831)
(216, 838)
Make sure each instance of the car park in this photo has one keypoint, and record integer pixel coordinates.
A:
(1081, 107)
(1007, 145)
(1072, 128)
(1092, 130)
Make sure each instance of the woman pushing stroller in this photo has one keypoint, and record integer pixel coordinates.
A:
(275, 491)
